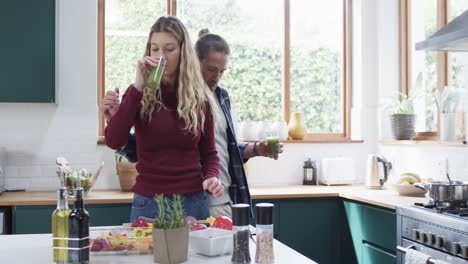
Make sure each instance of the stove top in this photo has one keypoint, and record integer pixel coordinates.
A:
(455, 210)
(439, 231)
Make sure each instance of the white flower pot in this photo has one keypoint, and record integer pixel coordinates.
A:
(447, 127)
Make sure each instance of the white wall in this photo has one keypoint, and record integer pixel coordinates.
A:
(35, 134)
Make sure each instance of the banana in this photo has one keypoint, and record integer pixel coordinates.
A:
(411, 174)
(407, 178)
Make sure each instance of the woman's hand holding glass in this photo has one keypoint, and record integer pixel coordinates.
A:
(144, 67)
(214, 186)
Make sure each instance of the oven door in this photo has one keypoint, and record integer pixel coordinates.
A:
(434, 254)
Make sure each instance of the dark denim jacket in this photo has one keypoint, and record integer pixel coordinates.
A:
(238, 191)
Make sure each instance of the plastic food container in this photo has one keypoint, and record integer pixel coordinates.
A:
(211, 241)
(121, 240)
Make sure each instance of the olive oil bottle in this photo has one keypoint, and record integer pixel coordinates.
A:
(60, 227)
(79, 230)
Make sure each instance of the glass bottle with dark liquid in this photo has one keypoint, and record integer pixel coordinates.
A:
(79, 230)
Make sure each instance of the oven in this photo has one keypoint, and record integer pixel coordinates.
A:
(440, 234)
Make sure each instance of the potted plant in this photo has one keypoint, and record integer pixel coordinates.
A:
(170, 231)
(402, 117)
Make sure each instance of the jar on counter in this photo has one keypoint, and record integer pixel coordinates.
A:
(264, 253)
(240, 228)
(310, 172)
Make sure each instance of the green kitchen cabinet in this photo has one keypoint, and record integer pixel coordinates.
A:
(36, 219)
(355, 221)
(380, 227)
(373, 255)
(373, 231)
(311, 227)
(27, 71)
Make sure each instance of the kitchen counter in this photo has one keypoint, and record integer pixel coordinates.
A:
(388, 198)
(37, 249)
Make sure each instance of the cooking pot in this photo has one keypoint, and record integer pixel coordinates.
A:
(443, 193)
(460, 191)
(439, 192)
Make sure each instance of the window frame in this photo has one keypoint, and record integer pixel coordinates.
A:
(443, 58)
(286, 86)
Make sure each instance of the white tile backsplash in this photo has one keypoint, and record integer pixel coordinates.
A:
(427, 160)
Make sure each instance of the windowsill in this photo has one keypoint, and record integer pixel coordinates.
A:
(423, 142)
(102, 141)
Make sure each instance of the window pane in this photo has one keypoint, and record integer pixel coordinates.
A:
(459, 67)
(424, 64)
(254, 30)
(317, 63)
(128, 23)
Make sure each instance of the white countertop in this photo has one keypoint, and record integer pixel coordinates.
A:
(37, 249)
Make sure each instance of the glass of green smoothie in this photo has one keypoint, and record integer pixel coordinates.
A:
(272, 142)
(156, 73)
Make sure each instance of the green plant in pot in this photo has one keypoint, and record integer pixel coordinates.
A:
(402, 117)
(170, 231)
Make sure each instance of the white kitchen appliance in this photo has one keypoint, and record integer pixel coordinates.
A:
(378, 171)
(337, 171)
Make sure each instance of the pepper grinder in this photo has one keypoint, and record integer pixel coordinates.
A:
(241, 236)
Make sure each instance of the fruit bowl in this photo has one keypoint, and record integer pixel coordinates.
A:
(408, 190)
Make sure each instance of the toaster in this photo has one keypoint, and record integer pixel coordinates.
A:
(337, 171)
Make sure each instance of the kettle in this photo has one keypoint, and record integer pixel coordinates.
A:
(377, 174)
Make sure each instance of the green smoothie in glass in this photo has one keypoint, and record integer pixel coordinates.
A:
(155, 76)
(272, 146)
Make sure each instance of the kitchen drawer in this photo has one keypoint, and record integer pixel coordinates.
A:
(379, 227)
(373, 255)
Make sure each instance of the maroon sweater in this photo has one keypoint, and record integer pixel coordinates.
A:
(168, 156)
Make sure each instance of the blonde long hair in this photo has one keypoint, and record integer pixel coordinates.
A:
(194, 96)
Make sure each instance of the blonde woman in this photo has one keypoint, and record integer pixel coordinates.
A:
(174, 125)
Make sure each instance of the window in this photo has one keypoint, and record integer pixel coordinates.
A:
(286, 56)
(423, 67)
(425, 72)
(317, 64)
(254, 74)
